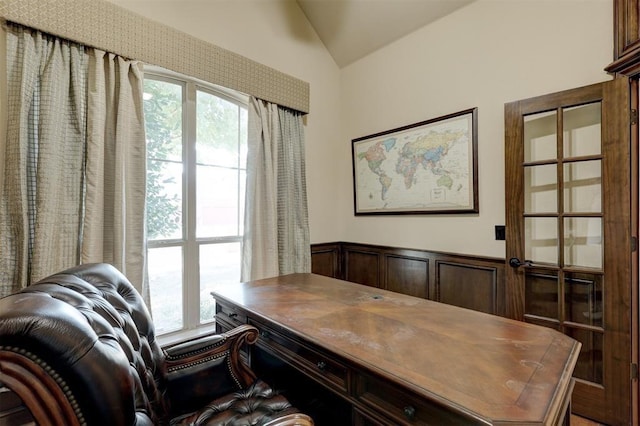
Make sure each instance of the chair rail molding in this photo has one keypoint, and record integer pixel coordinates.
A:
(472, 282)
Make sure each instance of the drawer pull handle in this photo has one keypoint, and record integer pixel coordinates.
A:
(264, 334)
(322, 365)
(233, 315)
(409, 412)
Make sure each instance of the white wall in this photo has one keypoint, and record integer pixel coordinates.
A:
(486, 54)
(483, 55)
(277, 34)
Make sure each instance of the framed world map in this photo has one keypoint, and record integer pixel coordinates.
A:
(422, 168)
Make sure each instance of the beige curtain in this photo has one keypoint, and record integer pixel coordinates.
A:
(41, 198)
(116, 167)
(276, 228)
(74, 185)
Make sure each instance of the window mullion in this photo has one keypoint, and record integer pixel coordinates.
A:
(191, 275)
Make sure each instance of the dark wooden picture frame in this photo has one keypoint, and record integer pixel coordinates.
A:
(430, 167)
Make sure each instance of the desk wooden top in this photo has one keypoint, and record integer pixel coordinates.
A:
(493, 368)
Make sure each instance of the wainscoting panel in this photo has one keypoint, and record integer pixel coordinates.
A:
(362, 265)
(325, 260)
(472, 282)
(407, 275)
(467, 286)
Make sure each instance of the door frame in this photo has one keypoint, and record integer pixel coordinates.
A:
(634, 137)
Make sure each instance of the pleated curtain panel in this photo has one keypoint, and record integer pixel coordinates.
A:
(74, 184)
(116, 171)
(276, 229)
(75, 163)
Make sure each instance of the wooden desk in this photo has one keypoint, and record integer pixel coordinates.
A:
(399, 359)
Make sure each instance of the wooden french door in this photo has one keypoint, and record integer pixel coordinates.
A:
(569, 236)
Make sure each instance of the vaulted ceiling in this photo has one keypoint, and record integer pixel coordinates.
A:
(351, 29)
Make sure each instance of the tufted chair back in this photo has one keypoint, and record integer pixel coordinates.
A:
(79, 348)
(90, 331)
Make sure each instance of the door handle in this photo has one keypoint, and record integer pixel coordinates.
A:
(514, 262)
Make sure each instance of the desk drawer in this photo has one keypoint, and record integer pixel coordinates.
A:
(403, 406)
(314, 363)
(222, 325)
(229, 315)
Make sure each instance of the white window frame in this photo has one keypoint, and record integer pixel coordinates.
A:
(189, 243)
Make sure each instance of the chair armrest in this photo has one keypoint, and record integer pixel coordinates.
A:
(208, 367)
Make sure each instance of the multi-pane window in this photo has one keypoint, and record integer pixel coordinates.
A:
(196, 155)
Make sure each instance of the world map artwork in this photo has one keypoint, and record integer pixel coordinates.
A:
(427, 167)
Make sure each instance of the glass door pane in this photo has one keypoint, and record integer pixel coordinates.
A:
(541, 240)
(540, 136)
(541, 189)
(589, 366)
(583, 242)
(541, 296)
(582, 130)
(583, 298)
(583, 187)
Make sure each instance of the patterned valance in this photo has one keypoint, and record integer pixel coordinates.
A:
(108, 27)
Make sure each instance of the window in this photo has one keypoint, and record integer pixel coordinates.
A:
(196, 156)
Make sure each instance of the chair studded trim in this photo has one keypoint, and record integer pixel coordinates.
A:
(233, 376)
(195, 352)
(35, 382)
(197, 362)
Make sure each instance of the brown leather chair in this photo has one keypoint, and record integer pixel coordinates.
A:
(79, 348)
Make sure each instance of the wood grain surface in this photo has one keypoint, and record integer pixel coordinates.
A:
(492, 368)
